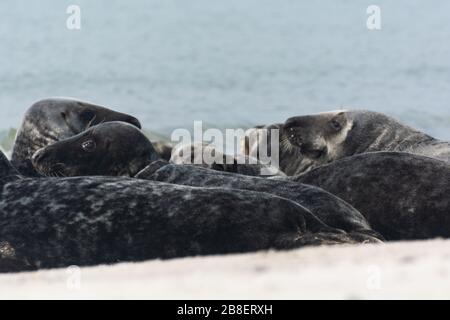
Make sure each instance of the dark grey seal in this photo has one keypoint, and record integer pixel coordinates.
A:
(403, 196)
(57, 222)
(330, 209)
(109, 154)
(51, 120)
(330, 136)
(109, 149)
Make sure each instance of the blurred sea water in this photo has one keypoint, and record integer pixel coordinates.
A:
(229, 63)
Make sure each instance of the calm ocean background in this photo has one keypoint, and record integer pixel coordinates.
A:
(232, 63)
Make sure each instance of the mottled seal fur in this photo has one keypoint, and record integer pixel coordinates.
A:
(57, 222)
(330, 209)
(402, 195)
(330, 136)
(54, 119)
(111, 156)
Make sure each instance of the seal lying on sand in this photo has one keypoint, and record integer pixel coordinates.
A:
(195, 154)
(330, 209)
(402, 195)
(327, 137)
(51, 120)
(111, 155)
(56, 222)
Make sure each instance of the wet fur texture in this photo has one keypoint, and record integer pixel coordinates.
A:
(57, 222)
(403, 196)
(330, 209)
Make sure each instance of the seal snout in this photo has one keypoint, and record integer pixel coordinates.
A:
(42, 163)
(301, 132)
(38, 157)
(291, 129)
(135, 122)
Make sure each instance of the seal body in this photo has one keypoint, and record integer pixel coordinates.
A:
(109, 154)
(330, 209)
(57, 222)
(54, 119)
(403, 196)
(330, 136)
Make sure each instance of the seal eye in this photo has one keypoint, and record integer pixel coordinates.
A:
(336, 125)
(88, 145)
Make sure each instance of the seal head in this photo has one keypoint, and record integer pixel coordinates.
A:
(327, 137)
(109, 149)
(50, 120)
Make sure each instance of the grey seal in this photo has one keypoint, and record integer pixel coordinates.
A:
(103, 149)
(194, 154)
(327, 207)
(57, 222)
(326, 137)
(54, 119)
(403, 196)
(109, 154)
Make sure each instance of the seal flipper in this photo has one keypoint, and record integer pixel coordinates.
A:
(296, 240)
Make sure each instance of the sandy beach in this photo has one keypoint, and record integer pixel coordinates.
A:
(410, 270)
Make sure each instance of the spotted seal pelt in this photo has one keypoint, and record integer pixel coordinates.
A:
(51, 120)
(109, 154)
(327, 207)
(56, 222)
(326, 137)
(402, 195)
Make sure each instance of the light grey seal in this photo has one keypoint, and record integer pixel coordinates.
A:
(54, 119)
(403, 196)
(330, 136)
